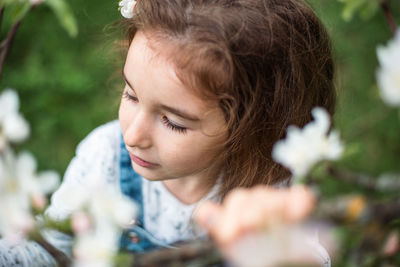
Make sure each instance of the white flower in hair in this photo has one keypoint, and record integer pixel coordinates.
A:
(126, 8)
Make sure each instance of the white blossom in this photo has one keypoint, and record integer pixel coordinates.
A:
(32, 183)
(126, 8)
(15, 217)
(9, 103)
(13, 126)
(20, 187)
(100, 213)
(48, 180)
(96, 248)
(302, 148)
(388, 74)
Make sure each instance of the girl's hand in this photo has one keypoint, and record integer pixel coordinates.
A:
(250, 210)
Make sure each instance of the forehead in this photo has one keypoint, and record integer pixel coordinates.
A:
(150, 70)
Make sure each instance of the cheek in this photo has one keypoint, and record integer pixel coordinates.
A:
(189, 151)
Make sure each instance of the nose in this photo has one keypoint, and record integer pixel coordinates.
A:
(138, 132)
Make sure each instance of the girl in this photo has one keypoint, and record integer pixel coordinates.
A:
(210, 86)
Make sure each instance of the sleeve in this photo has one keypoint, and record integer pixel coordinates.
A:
(27, 253)
(96, 156)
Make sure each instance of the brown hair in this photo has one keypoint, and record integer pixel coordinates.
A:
(266, 62)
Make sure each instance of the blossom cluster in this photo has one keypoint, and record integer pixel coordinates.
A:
(98, 215)
(303, 148)
(21, 187)
(97, 212)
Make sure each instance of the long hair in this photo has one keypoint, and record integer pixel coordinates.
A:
(266, 63)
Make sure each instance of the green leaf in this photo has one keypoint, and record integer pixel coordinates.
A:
(64, 15)
(369, 10)
(365, 8)
(350, 7)
(18, 10)
(7, 2)
(352, 150)
(124, 259)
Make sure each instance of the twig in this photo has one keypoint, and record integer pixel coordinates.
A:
(353, 178)
(386, 212)
(357, 209)
(192, 253)
(384, 183)
(62, 259)
(388, 14)
(1, 15)
(7, 43)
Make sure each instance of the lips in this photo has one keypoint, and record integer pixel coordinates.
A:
(141, 162)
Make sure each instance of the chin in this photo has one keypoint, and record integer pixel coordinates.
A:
(149, 174)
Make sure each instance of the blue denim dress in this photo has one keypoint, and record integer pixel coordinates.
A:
(135, 238)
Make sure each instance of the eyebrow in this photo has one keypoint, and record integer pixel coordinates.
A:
(180, 113)
(175, 111)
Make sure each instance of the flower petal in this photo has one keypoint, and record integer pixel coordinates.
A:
(9, 103)
(15, 128)
(49, 181)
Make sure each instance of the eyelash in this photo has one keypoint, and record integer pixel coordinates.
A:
(130, 97)
(164, 118)
(173, 126)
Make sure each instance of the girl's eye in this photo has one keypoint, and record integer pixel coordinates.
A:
(130, 97)
(173, 126)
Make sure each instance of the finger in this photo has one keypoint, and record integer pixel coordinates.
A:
(248, 210)
(229, 226)
(299, 203)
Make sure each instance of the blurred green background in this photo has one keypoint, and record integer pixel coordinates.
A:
(68, 86)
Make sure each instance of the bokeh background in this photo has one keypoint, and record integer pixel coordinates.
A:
(68, 86)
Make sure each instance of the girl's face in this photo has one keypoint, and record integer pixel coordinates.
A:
(168, 130)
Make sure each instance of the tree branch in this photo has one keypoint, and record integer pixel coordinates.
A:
(7, 43)
(193, 253)
(61, 259)
(388, 14)
(1, 15)
(357, 209)
(352, 178)
(390, 183)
